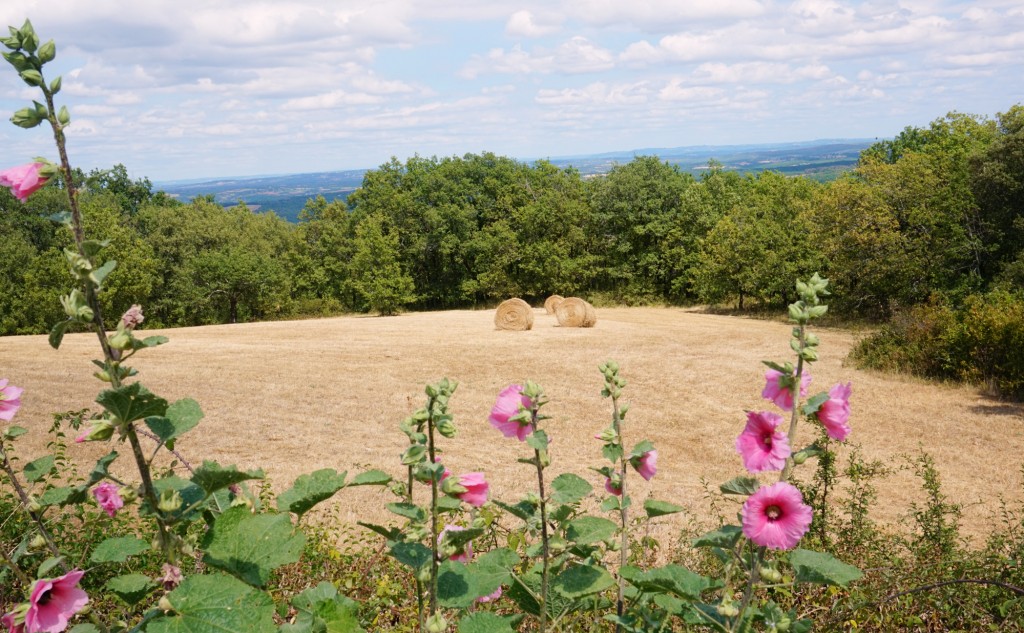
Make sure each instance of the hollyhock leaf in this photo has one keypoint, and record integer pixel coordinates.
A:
(777, 367)
(371, 478)
(12, 432)
(131, 588)
(84, 627)
(673, 579)
(610, 503)
(212, 477)
(538, 440)
(821, 568)
(101, 469)
(321, 608)
(612, 452)
(642, 447)
(657, 508)
(414, 555)
(391, 534)
(99, 275)
(523, 510)
(48, 565)
(252, 546)
(587, 529)
(62, 496)
(181, 417)
(118, 549)
(215, 603)
(132, 402)
(455, 586)
(38, 469)
(740, 486)
(569, 488)
(57, 333)
(582, 580)
(449, 504)
(189, 491)
(309, 490)
(725, 537)
(485, 622)
(410, 511)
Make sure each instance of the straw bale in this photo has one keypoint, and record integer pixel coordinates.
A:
(551, 302)
(514, 314)
(575, 312)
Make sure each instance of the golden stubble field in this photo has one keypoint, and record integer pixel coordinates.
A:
(293, 397)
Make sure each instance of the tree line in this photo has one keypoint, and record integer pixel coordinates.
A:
(935, 211)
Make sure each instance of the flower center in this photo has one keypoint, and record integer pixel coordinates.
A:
(768, 439)
(773, 512)
(44, 598)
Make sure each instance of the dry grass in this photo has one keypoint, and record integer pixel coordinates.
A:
(292, 397)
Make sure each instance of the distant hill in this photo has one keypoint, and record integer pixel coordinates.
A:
(286, 195)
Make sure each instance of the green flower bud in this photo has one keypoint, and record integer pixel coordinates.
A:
(556, 545)
(451, 487)
(770, 574)
(128, 494)
(47, 52)
(122, 339)
(37, 542)
(613, 545)
(26, 118)
(728, 609)
(54, 89)
(446, 428)
(170, 501)
(423, 574)
(165, 605)
(437, 624)
(800, 457)
(32, 77)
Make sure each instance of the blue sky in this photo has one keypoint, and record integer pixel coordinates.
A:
(205, 88)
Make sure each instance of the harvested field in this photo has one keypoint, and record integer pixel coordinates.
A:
(292, 397)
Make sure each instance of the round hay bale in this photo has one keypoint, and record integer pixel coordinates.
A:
(575, 312)
(514, 314)
(551, 302)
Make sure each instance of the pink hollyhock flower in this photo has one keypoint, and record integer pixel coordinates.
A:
(476, 489)
(646, 464)
(133, 317)
(776, 517)
(24, 180)
(467, 549)
(172, 576)
(835, 411)
(10, 400)
(491, 597)
(777, 390)
(107, 496)
(761, 444)
(14, 621)
(612, 487)
(506, 406)
(53, 602)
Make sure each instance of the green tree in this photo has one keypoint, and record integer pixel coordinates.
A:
(376, 270)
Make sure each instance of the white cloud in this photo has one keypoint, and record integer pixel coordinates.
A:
(576, 55)
(759, 72)
(676, 90)
(332, 99)
(658, 16)
(525, 24)
(596, 93)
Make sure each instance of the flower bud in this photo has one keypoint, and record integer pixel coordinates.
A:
(437, 624)
(783, 624)
(54, 89)
(423, 574)
(47, 52)
(170, 501)
(33, 505)
(446, 428)
(32, 77)
(37, 542)
(451, 487)
(800, 457)
(26, 118)
(607, 435)
(728, 609)
(165, 605)
(99, 431)
(770, 574)
(128, 494)
(121, 339)
(613, 545)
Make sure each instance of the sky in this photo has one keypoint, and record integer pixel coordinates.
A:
(186, 89)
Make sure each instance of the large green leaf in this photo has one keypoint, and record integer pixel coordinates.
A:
(322, 609)
(587, 529)
(657, 508)
(725, 537)
(414, 555)
(740, 486)
(309, 490)
(672, 579)
(455, 586)
(485, 622)
(101, 469)
(523, 510)
(132, 402)
(410, 511)
(251, 546)
(212, 477)
(118, 549)
(38, 469)
(821, 568)
(569, 488)
(131, 587)
(181, 417)
(371, 478)
(582, 580)
(215, 603)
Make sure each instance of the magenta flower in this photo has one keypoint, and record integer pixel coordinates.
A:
(491, 597)
(107, 496)
(476, 489)
(132, 318)
(646, 464)
(778, 388)
(53, 601)
(761, 444)
(506, 406)
(613, 487)
(835, 411)
(10, 400)
(24, 180)
(776, 517)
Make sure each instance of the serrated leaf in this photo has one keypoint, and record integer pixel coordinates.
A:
(569, 488)
(252, 546)
(118, 549)
(610, 503)
(215, 603)
(414, 555)
(371, 478)
(538, 440)
(582, 580)
(523, 510)
(57, 333)
(459, 538)
(181, 416)
(641, 448)
(587, 529)
(321, 608)
(822, 568)
(309, 490)
(12, 432)
(410, 511)
(725, 537)
(391, 534)
(132, 402)
(38, 469)
(131, 588)
(672, 579)
(212, 477)
(62, 496)
(740, 486)
(454, 586)
(485, 622)
(149, 341)
(655, 508)
(101, 468)
(612, 452)
(99, 275)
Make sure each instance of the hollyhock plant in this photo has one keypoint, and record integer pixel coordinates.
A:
(467, 549)
(53, 601)
(761, 444)
(646, 465)
(10, 400)
(777, 388)
(835, 411)
(476, 489)
(613, 487)
(14, 621)
(505, 407)
(24, 180)
(776, 517)
(107, 496)
(132, 318)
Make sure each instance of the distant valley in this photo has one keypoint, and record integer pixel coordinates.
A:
(286, 195)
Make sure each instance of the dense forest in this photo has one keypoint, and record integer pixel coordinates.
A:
(929, 221)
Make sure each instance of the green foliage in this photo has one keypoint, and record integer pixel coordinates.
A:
(377, 271)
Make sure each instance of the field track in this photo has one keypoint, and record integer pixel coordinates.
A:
(292, 397)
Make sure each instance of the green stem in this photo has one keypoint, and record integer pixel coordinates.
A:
(755, 575)
(433, 509)
(419, 584)
(795, 415)
(545, 552)
(620, 606)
